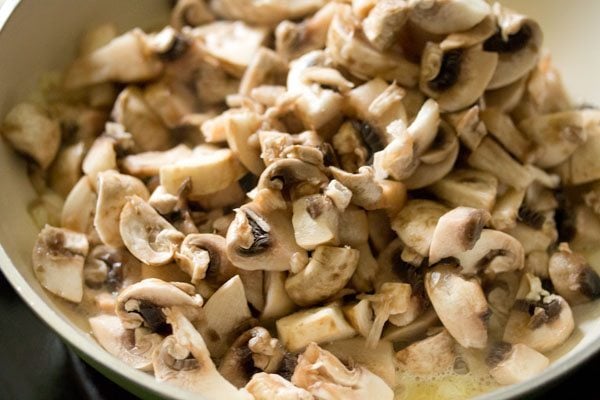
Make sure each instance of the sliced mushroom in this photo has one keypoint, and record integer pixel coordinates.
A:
(504, 130)
(456, 232)
(65, 171)
(100, 157)
(460, 304)
(468, 126)
(507, 98)
(360, 316)
(324, 376)
(518, 43)
(582, 167)
(293, 177)
(495, 252)
(266, 68)
(190, 13)
(253, 351)
(572, 277)
(329, 270)
(31, 131)
(126, 58)
(384, 22)
(209, 170)
(540, 320)
(512, 364)
(339, 194)
(239, 126)
(183, 360)
(315, 220)
(379, 360)
(319, 325)
(350, 50)
(506, 209)
(79, 207)
(133, 112)
(413, 331)
(467, 187)
(134, 347)
(416, 222)
(277, 301)
(147, 235)
(265, 386)
(111, 268)
(366, 191)
(432, 355)
(447, 16)
(456, 78)
(268, 12)
(58, 258)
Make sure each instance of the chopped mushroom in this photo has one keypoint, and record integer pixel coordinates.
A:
(447, 16)
(58, 258)
(572, 277)
(515, 363)
(325, 377)
(265, 386)
(494, 252)
(315, 220)
(432, 355)
(267, 12)
(415, 224)
(135, 347)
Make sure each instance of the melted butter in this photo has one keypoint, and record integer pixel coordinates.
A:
(449, 386)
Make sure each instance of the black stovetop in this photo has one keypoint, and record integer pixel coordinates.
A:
(36, 365)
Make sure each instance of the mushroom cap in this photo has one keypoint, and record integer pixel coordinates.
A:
(265, 386)
(494, 251)
(572, 277)
(134, 347)
(144, 302)
(517, 363)
(434, 354)
(292, 176)
(416, 223)
(460, 304)
(58, 258)
(366, 191)
(447, 16)
(113, 189)
(147, 235)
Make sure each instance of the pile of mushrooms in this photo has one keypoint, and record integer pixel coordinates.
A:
(297, 199)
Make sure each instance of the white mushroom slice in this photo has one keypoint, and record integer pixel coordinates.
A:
(58, 258)
(325, 377)
(100, 157)
(507, 97)
(266, 68)
(533, 239)
(233, 44)
(432, 355)
(133, 112)
(319, 325)
(456, 78)
(572, 277)
(468, 126)
(163, 201)
(460, 304)
(277, 301)
(492, 158)
(328, 271)
(390, 298)
(261, 237)
(349, 50)
(293, 178)
(413, 331)
(379, 360)
(416, 222)
(65, 171)
(366, 191)
(384, 22)
(339, 194)
(274, 387)
(467, 187)
(447, 16)
(190, 13)
(183, 360)
(495, 252)
(223, 315)
(557, 136)
(314, 104)
(315, 220)
(367, 268)
(171, 100)
(360, 316)
(356, 226)
(113, 189)
(147, 235)
(398, 159)
(80, 204)
(239, 126)
(126, 58)
(506, 209)
(583, 166)
(504, 130)
(538, 319)
(31, 131)
(209, 171)
(518, 43)
(456, 232)
(134, 347)
(511, 364)
(268, 12)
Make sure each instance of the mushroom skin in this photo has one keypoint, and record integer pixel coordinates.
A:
(325, 377)
(113, 189)
(415, 224)
(572, 277)
(144, 302)
(147, 235)
(58, 258)
(261, 238)
(31, 131)
(265, 386)
(538, 319)
(432, 355)
(134, 347)
(328, 271)
(460, 304)
(447, 16)
(512, 364)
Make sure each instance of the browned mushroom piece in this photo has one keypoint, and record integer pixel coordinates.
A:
(572, 277)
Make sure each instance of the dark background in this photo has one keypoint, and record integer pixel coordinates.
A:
(35, 364)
